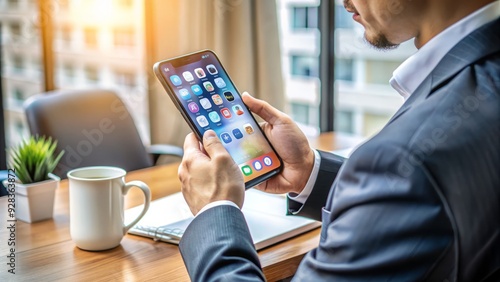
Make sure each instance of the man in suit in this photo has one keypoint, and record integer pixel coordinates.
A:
(419, 201)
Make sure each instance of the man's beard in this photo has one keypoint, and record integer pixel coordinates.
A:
(380, 42)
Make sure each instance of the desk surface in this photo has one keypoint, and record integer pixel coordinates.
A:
(45, 252)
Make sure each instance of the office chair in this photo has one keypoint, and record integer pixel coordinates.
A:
(93, 127)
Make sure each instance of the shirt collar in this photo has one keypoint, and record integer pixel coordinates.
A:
(412, 72)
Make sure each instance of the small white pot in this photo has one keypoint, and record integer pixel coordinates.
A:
(35, 201)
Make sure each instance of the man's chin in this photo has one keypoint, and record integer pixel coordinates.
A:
(380, 42)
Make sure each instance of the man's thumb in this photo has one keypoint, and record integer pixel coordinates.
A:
(212, 144)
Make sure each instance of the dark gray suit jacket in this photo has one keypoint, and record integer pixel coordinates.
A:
(419, 201)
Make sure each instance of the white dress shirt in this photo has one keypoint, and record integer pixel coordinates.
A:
(412, 72)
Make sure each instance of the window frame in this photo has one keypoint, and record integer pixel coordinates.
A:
(327, 65)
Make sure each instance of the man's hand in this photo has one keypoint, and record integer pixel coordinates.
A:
(290, 143)
(208, 173)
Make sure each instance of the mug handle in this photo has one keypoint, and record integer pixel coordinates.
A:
(147, 195)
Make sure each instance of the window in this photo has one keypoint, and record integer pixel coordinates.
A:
(15, 30)
(90, 37)
(304, 65)
(373, 122)
(300, 113)
(65, 33)
(343, 19)
(344, 69)
(304, 17)
(379, 72)
(37, 65)
(18, 63)
(69, 70)
(12, 4)
(344, 121)
(92, 74)
(125, 79)
(357, 68)
(63, 4)
(18, 94)
(127, 4)
(124, 37)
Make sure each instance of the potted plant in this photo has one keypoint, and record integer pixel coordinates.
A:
(33, 162)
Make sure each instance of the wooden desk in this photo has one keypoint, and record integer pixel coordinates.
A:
(45, 252)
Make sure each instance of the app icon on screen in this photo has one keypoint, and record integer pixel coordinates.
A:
(208, 85)
(226, 113)
(188, 76)
(226, 137)
(212, 69)
(193, 107)
(202, 121)
(176, 80)
(205, 103)
(197, 89)
(268, 161)
(184, 94)
(257, 165)
(200, 73)
(217, 99)
(237, 133)
(246, 170)
(248, 128)
(214, 117)
(220, 82)
(229, 96)
(237, 109)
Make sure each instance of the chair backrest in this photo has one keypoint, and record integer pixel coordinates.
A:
(93, 127)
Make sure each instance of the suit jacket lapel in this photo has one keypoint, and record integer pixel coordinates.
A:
(479, 44)
(475, 46)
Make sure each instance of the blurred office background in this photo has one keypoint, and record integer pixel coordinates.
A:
(329, 78)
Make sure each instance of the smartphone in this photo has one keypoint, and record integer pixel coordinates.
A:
(206, 97)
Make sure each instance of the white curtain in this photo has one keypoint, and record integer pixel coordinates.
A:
(244, 35)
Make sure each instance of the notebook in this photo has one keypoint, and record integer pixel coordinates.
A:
(168, 217)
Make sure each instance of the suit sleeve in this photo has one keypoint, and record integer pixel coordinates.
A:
(384, 221)
(217, 246)
(328, 170)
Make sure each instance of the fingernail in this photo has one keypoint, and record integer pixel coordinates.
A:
(209, 134)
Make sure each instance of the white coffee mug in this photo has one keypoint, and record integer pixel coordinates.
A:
(96, 206)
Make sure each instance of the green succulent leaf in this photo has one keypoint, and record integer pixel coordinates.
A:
(34, 159)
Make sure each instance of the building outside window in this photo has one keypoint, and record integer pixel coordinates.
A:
(364, 100)
(344, 69)
(90, 37)
(91, 74)
(18, 63)
(304, 65)
(305, 17)
(15, 31)
(126, 79)
(65, 33)
(124, 37)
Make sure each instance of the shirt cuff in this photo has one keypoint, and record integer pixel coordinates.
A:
(217, 203)
(302, 197)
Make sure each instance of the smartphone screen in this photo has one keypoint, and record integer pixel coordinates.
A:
(205, 95)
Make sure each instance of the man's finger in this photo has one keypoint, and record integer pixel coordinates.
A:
(212, 144)
(191, 143)
(262, 109)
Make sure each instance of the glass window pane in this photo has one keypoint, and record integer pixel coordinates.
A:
(21, 75)
(124, 37)
(298, 26)
(100, 44)
(299, 19)
(304, 65)
(364, 98)
(90, 37)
